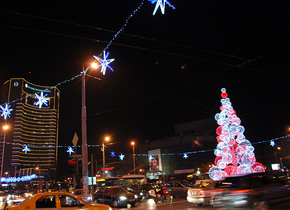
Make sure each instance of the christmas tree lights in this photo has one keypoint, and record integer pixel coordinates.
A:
(234, 153)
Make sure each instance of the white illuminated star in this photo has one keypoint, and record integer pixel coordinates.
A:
(5, 111)
(161, 4)
(70, 150)
(25, 149)
(122, 157)
(41, 100)
(185, 156)
(105, 62)
(272, 143)
(150, 157)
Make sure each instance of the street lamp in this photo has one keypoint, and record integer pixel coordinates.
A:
(104, 160)
(85, 171)
(5, 127)
(133, 143)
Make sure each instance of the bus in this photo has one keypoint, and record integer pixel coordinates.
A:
(135, 179)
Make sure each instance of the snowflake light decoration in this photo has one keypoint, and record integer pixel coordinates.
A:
(272, 143)
(70, 150)
(185, 156)
(41, 100)
(121, 157)
(105, 62)
(161, 4)
(5, 111)
(112, 154)
(25, 149)
(234, 153)
(150, 157)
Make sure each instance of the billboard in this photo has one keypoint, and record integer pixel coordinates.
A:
(155, 163)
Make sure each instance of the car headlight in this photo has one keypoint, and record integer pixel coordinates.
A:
(135, 196)
(141, 194)
(122, 198)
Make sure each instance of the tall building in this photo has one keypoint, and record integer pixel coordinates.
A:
(32, 123)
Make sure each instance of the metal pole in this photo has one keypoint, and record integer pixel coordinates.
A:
(2, 164)
(84, 141)
(134, 158)
(92, 173)
(104, 161)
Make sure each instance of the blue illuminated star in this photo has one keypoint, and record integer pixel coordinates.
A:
(112, 154)
(150, 157)
(70, 150)
(25, 149)
(41, 100)
(122, 157)
(105, 62)
(5, 111)
(185, 155)
(272, 143)
(161, 4)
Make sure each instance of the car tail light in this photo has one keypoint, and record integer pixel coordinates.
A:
(240, 191)
(201, 192)
(217, 191)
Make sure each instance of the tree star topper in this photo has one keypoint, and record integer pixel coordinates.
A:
(161, 4)
(41, 100)
(25, 149)
(6, 111)
(105, 62)
(70, 150)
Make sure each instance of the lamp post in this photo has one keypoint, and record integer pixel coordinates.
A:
(5, 127)
(133, 143)
(104, 160)
(85, 172)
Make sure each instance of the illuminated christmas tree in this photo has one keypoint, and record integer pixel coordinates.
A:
(234, 154)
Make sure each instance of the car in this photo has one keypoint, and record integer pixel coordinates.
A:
(135, 190)
(257, 190)
(145, 188)
(176, 189)
(79, 194)
(59, 200)
(115, 196)
(202, 193)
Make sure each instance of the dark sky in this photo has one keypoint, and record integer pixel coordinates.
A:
(168, 69)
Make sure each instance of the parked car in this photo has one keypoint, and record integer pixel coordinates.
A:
(115, 196)
(202, 193)
(58, 200)
(257, 190)
(176, 189)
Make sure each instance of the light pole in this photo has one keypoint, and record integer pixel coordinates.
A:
(133, 143)
(85, 171)
(5, 127)
(104, 160)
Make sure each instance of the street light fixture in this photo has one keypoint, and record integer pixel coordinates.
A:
(133, 143)
(85, 171)
(104, 160)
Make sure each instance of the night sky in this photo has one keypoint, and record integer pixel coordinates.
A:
(168, 69)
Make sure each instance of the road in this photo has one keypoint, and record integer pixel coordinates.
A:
(181, 204)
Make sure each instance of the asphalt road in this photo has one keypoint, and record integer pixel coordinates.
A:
(182, 204)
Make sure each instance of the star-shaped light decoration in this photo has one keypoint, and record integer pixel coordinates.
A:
(105, 62)
(150, 157)
(122, 157)
(41, 100)
(185, 155)
(112, 154)
(25, 149)
(5, 111)
(70, 150)
(161, 4)
(272, 143)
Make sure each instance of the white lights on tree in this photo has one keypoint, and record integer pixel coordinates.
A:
(234, 154)
(105, 62)
(5, 111)
(25, 149)
(161, 4)
(70, 150)
(121, 157)
(41, 100)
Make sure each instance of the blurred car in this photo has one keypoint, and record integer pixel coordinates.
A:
(135, 190)
(79, 194)
(115, 196)
(257, 190)
(59, 200)
(3, 200)
(176, 189)
(202, 193)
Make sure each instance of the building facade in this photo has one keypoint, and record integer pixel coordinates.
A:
(30, 143)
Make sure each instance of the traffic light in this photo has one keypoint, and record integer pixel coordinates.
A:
(71, 166)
